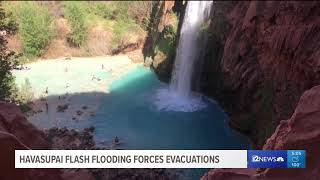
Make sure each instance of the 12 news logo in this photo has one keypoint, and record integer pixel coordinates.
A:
(276, 159)
(256, 158)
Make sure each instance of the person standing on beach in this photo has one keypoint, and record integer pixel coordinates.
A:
(47, 107)
(47, 90)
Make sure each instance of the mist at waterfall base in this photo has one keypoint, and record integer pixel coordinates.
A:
(130, 113)
(178, 96)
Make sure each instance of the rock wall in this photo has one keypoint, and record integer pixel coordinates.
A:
(301, 131)
(163, 34)
(261, 56)
(17, 133)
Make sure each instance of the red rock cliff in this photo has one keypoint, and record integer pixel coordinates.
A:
(261, 57)
(17, 133)
(301, 131)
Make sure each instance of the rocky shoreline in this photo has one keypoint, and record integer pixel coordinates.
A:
(71, 139)
(16, 132)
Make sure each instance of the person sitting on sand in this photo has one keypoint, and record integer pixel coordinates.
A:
(95, 78)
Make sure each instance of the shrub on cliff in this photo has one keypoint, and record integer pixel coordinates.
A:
(103, 10)
(125, 19)
(25, 94)
(7, 58)
(35, 26)
(75, 13)
(124, 31)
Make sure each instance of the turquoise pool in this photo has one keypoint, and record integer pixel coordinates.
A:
(129, 112)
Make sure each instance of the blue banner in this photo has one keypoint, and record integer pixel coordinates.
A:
(276, 159)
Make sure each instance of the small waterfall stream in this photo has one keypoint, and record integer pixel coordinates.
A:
(179, 95)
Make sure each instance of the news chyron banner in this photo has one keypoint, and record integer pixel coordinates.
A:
(160, 159)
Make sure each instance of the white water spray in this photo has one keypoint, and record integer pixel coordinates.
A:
(179, 96)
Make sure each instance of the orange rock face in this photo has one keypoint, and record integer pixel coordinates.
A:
(16, 133)
(14, 122)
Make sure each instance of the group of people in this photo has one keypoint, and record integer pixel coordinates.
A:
(22, 68)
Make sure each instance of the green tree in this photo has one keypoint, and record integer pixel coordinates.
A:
(7, 58)
(35, 27)
(76, 13)
(25, 94)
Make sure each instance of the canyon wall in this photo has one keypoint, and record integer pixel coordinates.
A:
(260, 58)
(263, 57)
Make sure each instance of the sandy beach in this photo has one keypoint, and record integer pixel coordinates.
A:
(70, 89)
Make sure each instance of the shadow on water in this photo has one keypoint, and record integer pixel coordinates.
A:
(129, 113)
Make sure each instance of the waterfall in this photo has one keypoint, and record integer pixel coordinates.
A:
(187, 52)
(179, 95)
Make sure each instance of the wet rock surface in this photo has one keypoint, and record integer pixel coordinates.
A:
(63, 138)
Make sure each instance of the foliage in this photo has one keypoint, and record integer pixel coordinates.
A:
(103, 10)
(76, 13)
(122, 30)
(167, 40)
(25, 94)
(126, 19)
(35, 26)
(7, 58)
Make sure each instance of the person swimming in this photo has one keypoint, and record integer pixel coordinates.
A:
(116, 140)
